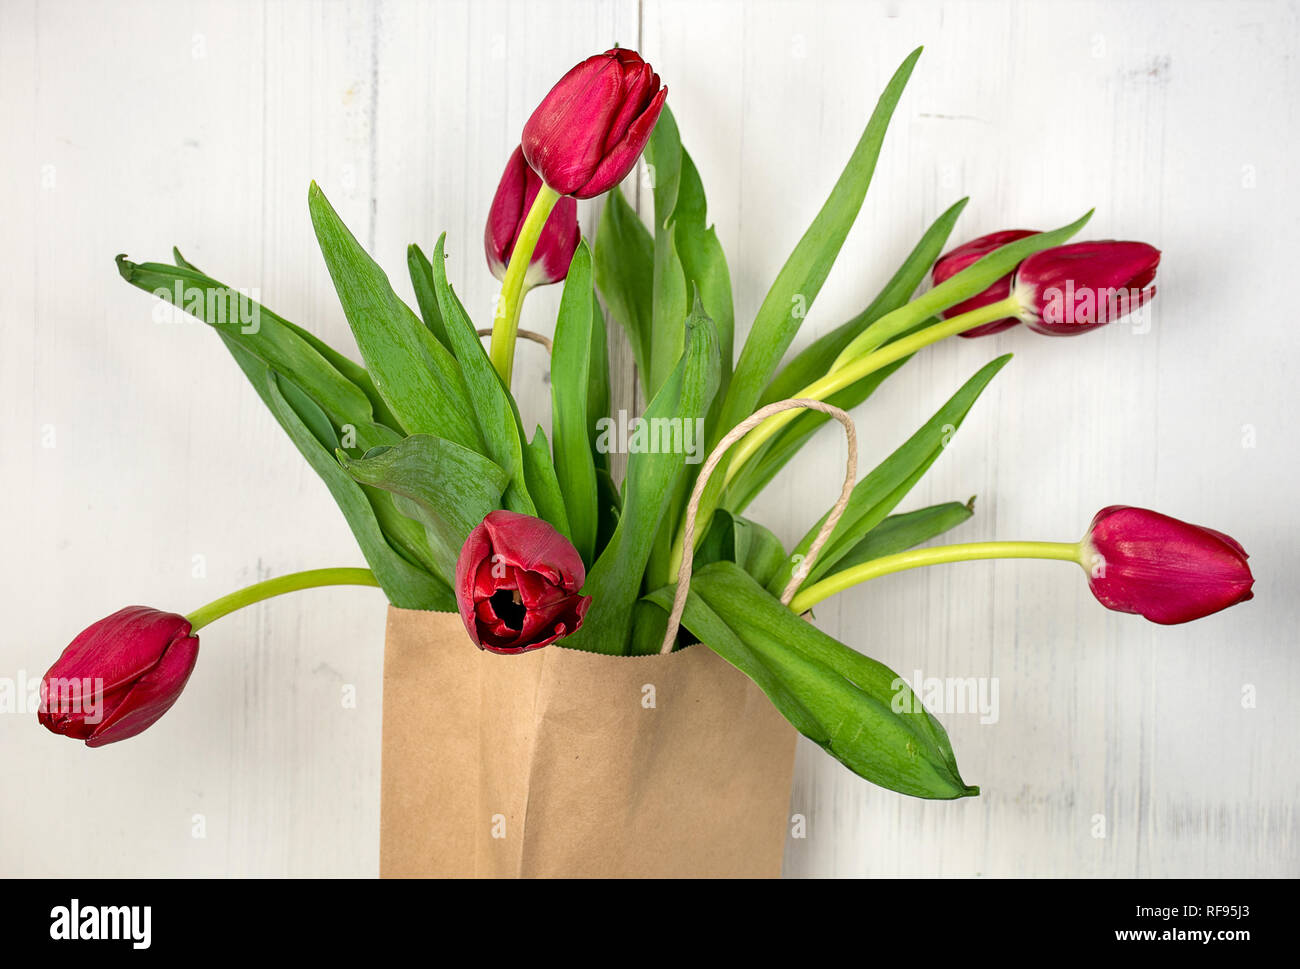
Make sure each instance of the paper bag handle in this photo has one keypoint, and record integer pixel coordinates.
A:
(693, 506)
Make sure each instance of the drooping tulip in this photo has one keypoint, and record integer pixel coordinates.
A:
(1078, 287)
(1161, 568)
(118, 676)
(951, 263)
(514, 197)
(590, 129)
(518, 584)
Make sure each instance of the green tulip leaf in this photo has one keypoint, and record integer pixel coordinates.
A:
(790, 439)
(614, 581)
(571, 383)
(598, 393)
(801, 278)
(972, 280)
(815, 359)
(898, 533)
(747, 543)
(448, 488)
(421, 270)
(406, 584)
(704, 265)
(264, 334)
(623, 261)
(663, 154)
(496, 413)
(877, 494)
(413, 372)
(544, 484)
(856, 709)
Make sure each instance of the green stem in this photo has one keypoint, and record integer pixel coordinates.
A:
(965, 284)
(505, 326)
(852, 372)
(833, 382)
(281, 584)
(915, 558)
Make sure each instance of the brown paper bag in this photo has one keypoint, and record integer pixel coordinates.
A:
(560, 762)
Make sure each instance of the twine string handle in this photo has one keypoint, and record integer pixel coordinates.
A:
(538, 338)
(805, 565)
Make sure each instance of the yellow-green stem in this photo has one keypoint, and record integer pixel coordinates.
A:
(805, 599)
(281, 584)
(505, 326)
(851, 373)
(834, 381)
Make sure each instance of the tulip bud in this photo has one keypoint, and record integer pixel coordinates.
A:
(1078, 287)
(588, 131)
(515, 194)
(1161, 568)
(518, 584)
(118, 676)
(951, 263)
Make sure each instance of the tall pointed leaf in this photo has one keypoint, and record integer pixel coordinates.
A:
(413, 372)
(663, 154)
(614, 582)
(802, 276)
(406, 585)
(704, 265)
(856, 709)
(418, 265)
(571, 371)
(449, 488)
(495, 411)
(816, 358)
(876, 495)
(544, 485)
(624, 260)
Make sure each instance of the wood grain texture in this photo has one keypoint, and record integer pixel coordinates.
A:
(139, 467)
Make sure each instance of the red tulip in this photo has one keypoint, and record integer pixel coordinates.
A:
(118, 676)
(951, 263)
(1164, 569)
(515, 194)
(588, 131)
(518, 584)
(1078, 287)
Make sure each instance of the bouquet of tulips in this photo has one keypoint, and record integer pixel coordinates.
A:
(457, 508)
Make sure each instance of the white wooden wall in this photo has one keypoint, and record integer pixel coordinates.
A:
(137, 466)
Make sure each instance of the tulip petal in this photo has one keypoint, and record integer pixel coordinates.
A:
(151, 695)
(532, 544)
(120, 647)
(1081, 286)
(639, 86)
(564, 138)
(968, 254)
(507, 212)
(1163, 569)
(517, 584)
(620, 159)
